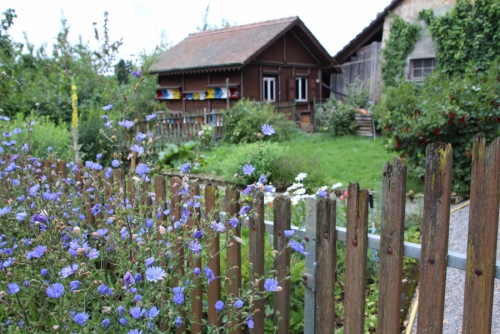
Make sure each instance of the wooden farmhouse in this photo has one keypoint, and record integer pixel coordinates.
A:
(278, 61)
(361, 57)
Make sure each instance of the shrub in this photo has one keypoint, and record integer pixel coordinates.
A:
(45, 136)
(91, 141)
(339, 117)
(280, 166)
(447, 109)
(245, 120)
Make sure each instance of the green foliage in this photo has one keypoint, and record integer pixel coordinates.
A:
(122, 71)
(333, 159)
(43, 135)
(338, 117)
(467, 35)
(277, 162)
(175, 155)
(246, 118)
(457, 102)
(447, 109)
(402, 39)
(90, 140)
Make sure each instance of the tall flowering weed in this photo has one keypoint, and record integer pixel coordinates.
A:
(79, 254)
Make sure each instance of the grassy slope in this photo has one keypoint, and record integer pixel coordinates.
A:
(341, 159)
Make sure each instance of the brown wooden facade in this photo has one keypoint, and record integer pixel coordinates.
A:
(287, 69)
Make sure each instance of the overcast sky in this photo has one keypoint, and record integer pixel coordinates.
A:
(141, 22)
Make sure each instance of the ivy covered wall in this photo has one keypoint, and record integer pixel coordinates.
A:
(409, 10)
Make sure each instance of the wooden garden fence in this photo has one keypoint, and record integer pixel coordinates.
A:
(320, 237)
(178, 127)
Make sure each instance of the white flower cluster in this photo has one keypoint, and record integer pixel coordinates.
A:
(296, 191)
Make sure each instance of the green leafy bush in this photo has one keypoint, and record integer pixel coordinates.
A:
(175, 155)
(246, 118)
(339, 117)
(447, 109)
(90, 139)
(44, 135)
(457, 102)
(280, 165)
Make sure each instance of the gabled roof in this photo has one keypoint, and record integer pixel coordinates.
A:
(366, 34)
(234, 46)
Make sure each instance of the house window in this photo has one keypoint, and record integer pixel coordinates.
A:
(269, 89)
(301, 89)
(420, 68)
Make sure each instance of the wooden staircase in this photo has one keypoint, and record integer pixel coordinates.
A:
(364, 125)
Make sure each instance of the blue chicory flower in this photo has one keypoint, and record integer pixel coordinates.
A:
(268, 130)
(141, 169)
(297, 246)
(248, 169)
(81, 318)
(55, 290)
(126, 124)
(271, 285)
(13, 288)
(74, 285)
(115, 163)
(219, 305)
(108, 107)
(154, 274)
(185, 168)
(195, 247)
(250, 322)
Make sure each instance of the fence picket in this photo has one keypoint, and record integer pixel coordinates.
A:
(391, 246)
(160, 196)
(435, 226)
(310, 267)
(214, 291)
(326, 236)
(256, 253)
(197, 293)
(482, 238)
(176, 213)
(233, 256)
(355, 259)
(282, 222)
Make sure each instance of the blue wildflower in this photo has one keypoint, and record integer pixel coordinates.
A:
(13, 288)
(126, 124)
(219, 305)
(154, 274)
(268, 130)
(141, 169)
(55, 290)
(248, 169)
(81, 318)
(271, 285)
(238, 303)
(108, 107)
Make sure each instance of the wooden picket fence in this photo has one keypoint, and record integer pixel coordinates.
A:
(178, 127)
(321, 234)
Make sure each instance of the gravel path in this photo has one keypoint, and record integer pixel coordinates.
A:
(455, 279)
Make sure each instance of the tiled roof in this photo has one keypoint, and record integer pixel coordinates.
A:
(232, 46)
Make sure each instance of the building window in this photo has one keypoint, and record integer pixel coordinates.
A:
(301, 89)
(420, 68)
(269, 89)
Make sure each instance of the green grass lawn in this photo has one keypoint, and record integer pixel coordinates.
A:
(339, 159)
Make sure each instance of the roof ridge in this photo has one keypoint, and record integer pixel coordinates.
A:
(243, 26)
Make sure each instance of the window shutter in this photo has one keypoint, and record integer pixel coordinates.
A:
(291, 89)
(312, 89)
